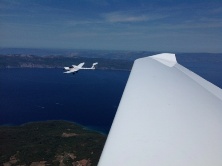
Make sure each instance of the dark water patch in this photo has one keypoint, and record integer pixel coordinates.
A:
(89, 97)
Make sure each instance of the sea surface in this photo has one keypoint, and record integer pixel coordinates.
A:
(89, 98)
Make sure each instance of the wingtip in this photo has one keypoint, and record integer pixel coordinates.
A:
(167, 59)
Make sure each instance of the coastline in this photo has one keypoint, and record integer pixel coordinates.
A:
(103, 69)
(87, 127)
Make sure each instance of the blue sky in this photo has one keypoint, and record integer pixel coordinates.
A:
(146, 25)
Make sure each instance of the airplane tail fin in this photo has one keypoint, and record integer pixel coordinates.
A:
(93, 65)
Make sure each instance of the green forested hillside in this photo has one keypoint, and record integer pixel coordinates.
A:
(51, 142)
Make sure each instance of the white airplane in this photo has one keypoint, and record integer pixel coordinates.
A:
(168, 116)
(73, 69)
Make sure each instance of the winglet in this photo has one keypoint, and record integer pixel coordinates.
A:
(167, 59)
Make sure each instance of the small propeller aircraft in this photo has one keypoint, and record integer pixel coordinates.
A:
(73, 69)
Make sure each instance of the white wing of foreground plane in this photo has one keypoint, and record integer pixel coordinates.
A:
(168, 116)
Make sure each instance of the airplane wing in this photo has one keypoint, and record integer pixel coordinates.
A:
(168, 116)
(80, 65)
(71, 70)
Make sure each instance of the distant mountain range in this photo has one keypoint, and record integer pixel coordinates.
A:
(116, 60)
(107, 54)
(55, 61)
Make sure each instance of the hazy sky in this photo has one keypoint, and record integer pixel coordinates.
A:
(149, 25)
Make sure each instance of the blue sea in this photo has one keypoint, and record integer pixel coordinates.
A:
(89, 98)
